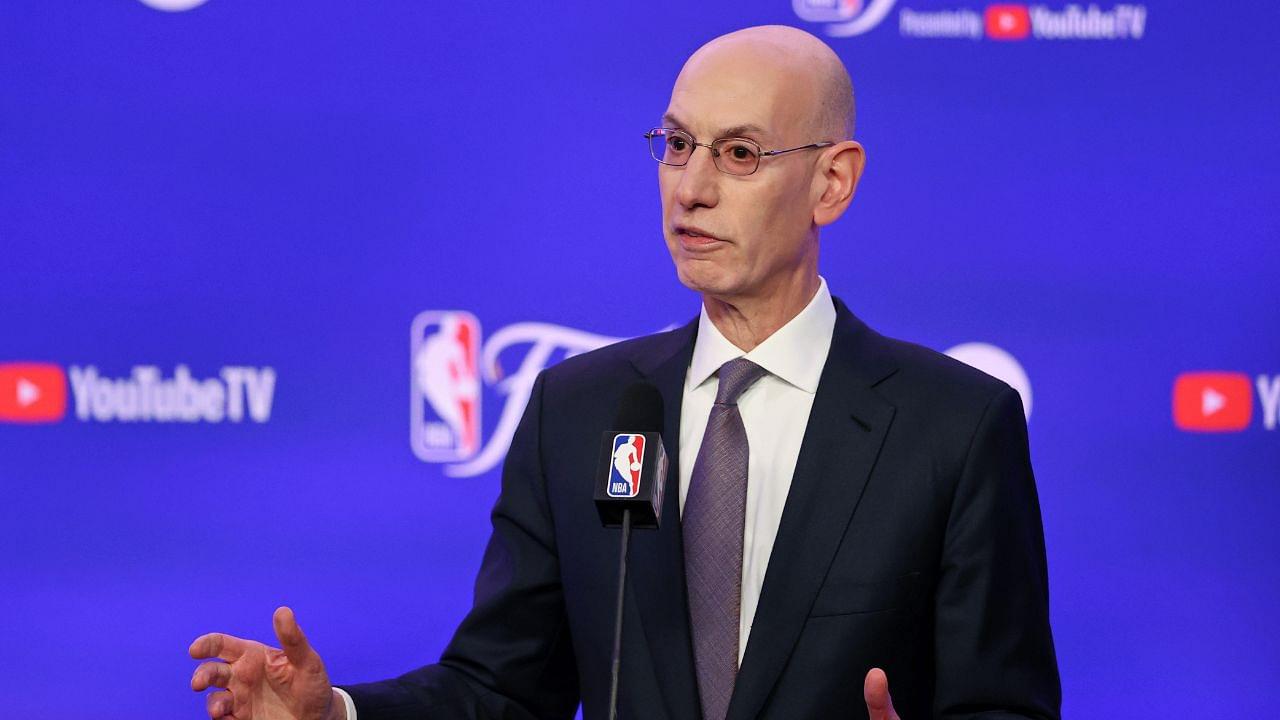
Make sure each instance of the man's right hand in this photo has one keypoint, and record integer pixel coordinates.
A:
(265, 683)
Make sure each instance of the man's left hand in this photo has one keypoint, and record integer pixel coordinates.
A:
(875, 690)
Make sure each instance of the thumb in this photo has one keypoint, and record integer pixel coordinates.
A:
(875, 690)
(292, 640)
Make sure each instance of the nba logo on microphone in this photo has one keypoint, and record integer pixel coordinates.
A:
(628, 464)
(445, 388)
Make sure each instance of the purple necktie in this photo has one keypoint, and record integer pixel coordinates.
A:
(714, 512)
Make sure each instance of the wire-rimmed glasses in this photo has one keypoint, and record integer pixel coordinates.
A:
(735, 156)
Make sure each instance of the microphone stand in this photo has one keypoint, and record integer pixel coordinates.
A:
(617, 623)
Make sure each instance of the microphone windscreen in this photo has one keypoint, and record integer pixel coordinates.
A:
(640, 409)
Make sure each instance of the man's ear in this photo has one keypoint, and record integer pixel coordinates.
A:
(839, 171)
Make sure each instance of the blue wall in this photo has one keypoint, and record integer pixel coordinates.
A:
(285, 187)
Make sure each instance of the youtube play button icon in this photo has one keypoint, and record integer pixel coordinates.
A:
(1212, 401)
(1008, 22)
(32, 393)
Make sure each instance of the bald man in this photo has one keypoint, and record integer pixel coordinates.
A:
(852, 511)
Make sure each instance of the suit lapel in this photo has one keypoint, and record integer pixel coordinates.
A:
(846, 428)
(657, 557)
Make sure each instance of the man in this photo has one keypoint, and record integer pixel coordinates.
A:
(848, 505)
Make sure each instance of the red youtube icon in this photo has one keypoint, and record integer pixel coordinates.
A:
(1008, 22)
(1212, 401)
(32, 392)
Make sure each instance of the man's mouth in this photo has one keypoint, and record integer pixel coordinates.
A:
(694, 237)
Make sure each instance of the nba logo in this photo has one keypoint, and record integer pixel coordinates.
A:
(444, 412)
(628, 462)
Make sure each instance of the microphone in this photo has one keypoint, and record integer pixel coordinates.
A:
(629, 489)
(633, 462)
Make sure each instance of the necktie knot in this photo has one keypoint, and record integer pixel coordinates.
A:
(735, 377)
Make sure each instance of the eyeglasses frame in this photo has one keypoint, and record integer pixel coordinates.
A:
(716, 153)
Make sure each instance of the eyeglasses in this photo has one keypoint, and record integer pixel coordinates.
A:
(735, 156)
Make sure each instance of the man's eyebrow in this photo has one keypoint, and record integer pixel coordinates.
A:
(744, 130)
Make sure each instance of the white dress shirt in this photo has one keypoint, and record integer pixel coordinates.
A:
(775, 413)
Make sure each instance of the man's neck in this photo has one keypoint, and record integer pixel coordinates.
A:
(747, 322)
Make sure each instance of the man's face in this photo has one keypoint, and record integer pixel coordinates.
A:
(737, 237)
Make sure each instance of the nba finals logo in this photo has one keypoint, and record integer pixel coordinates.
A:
(843, 18)
(451, 367)
(628, 462)
(445, 393)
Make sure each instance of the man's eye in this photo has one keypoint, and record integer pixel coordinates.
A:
(739, 152)
(677, 144)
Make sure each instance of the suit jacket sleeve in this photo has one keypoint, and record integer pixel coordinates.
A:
(511, 658)
(995, 656)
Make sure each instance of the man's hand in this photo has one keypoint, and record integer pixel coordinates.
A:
(875, 690)
(264, 683)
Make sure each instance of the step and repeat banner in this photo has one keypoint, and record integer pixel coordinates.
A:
(276, 278)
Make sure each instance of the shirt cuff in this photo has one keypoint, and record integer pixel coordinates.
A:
(346, 700)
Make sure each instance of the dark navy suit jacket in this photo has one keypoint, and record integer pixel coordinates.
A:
(911, 540)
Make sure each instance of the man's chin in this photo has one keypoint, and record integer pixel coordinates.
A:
(706, 283)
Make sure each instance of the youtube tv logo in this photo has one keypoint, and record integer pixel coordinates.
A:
(1218, 402)
(1007, 22)
(32, 393)
(45, 393)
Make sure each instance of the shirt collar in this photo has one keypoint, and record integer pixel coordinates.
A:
(795, 353)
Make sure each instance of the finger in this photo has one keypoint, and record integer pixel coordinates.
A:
(219, 704)
(218, 645)
(211, 674)
(875, 691)
(292, 641)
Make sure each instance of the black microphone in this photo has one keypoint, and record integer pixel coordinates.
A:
(633, 462)
(629, 489)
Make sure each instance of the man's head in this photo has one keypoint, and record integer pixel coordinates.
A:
(748, 238)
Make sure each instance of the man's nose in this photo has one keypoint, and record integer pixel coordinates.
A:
(699, 180)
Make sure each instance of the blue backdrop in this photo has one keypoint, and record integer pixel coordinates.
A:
(220, 229)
